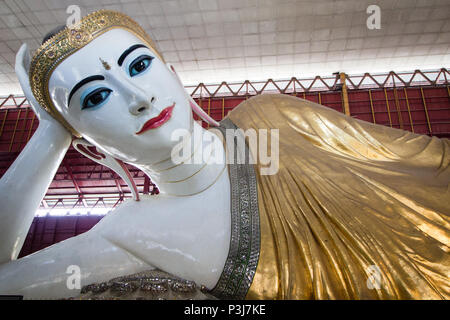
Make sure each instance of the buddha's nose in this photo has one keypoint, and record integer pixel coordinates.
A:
(140, 99)
(141, 104)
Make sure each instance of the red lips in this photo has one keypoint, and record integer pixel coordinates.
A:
(159, 120)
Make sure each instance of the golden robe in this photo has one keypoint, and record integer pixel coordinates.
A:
(349, 195)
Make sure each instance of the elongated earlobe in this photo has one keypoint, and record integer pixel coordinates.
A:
(90, 151)
(171, 68)
(202, 114)
(195, 107)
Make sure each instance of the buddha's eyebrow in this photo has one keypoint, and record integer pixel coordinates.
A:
(128, 51)
(82, 83)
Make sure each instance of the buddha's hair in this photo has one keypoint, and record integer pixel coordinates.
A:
(53, 32)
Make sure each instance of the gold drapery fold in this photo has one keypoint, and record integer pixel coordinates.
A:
(349, 195)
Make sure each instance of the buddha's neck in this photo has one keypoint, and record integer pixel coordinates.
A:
(196, 173)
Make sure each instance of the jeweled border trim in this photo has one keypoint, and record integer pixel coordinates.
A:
(242, 260)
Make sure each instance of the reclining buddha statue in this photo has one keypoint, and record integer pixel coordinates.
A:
(353, 210)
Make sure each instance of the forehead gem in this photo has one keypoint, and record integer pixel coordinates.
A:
(105, 64)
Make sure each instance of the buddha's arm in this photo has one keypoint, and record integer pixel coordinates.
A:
(24, 185)
(61, 270)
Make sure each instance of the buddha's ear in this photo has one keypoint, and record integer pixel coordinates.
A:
(195, 107)
(171, 67)
(90, 151)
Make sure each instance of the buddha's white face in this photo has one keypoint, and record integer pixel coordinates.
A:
(128, 109)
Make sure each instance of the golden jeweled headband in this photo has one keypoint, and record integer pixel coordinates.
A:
(68, 41)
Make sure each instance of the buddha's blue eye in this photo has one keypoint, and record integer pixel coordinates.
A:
(139, 65)
(95, 98)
